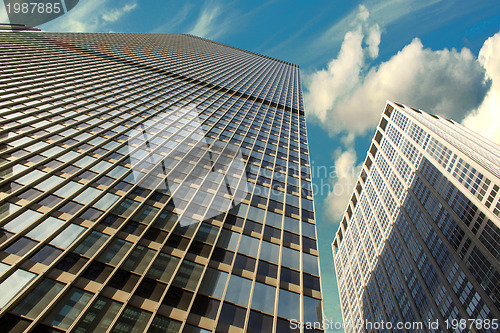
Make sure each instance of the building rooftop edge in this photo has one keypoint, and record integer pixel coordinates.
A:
(21, 27)
(240, 49)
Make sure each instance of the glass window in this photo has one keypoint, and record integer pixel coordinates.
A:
(106, 201)
(228, 239)
(134, 177)
(23, 220)
(256, 214)
(87, 195)
(292, 224)
(82, 163)
(188, 275)
(67, 236)
(100, 315)
(288, 304)
(263, 297)
(178, 298)
(214, 282)
(238, 290)
(165, 220)
(261, 190)
(3, 267)
(101, 166)
(68, 189)
(68, 308)
(312, 310)
(46, 255)
(249, 245)
(194, 329)
(117, 172)
(132, 320)
(93, 242)
(162, 324)
(46, 228)
(310, 263)
(12, 285)
(68, 156)
(273, 219)
(115, 251)
(232, 315)
(39, 298)
(292, 199)
(270, 252)
(307, 204)
(290, 258)
(277, 195)
(49, 183)
(7, 209)
(30, 177)
(207, 233)
(309, 230)
(139, 259)
(22, 246)
(163, 267)
(259, 322)
(126, 207)
(146, 214)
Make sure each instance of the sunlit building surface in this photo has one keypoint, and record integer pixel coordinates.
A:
(102, 138)
(419, 240)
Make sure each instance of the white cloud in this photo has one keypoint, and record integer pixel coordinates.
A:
(341, 76)
(349, 95)
(215, 20)
(346, 174)
(373, 40)
(327, 86)
(112, 15)
(484, 119)
(88, 16)
(209, 23)
(206, 23)
(385, 12)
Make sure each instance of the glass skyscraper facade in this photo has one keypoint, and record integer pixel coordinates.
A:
(418, 247)
(111, 221)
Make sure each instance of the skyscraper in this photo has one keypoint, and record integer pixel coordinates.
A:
(154, 183)
(418, 245)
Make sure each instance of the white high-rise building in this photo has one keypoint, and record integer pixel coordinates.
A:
(418, 247)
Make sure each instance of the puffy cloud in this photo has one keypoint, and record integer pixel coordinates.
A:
(484, 119)
(328, 86)
(385, 12)
(346, 174)
(349, 95)
(373, 40)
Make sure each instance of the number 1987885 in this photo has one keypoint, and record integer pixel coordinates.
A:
(34, 8)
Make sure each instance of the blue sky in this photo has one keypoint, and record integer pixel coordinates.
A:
(440, 56)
